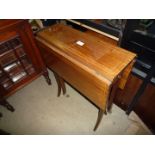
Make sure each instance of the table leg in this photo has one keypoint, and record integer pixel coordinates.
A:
(6, 104)
(62, 85)
(99, 118)
(46, 75)
(112, 95)
(58, 83)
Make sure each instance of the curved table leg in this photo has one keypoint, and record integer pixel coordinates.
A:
(62, 85)
(58, 83)
(99, 118)
(112, 95)
(47, 78)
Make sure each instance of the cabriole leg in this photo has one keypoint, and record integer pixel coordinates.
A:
(47, 78)
(62, 85)
(58, 83)
(99, 118)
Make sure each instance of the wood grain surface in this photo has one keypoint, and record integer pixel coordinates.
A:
(91, 68)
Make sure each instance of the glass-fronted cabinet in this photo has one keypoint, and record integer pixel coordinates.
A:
(20, 59)
(14, 62)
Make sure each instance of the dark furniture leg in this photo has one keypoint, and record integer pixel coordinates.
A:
(99, 118)
(62, 85)
(58, 83)
(47, 78)
(6, 104)
(112, 95)
(1, 114)
(109, 106)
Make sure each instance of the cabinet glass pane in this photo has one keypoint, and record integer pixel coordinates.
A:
(14, 62)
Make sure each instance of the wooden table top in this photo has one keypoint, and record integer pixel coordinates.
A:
(100, 58)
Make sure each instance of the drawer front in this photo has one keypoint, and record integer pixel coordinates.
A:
(93, 88)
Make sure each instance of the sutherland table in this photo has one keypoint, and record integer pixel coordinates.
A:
(94, 67)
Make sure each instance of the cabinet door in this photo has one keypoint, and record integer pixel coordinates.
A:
(28, 41)
(19, 59)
